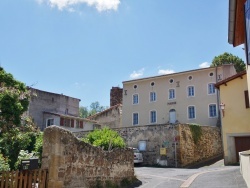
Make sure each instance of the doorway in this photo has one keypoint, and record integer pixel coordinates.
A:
(172, 116)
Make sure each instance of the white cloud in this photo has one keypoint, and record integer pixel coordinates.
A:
(100, 5)
(204, 65)
(78, 85)
(137, 74)
(167, 71)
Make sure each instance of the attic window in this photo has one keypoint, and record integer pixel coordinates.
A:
(152, 83)
(211, 74)
(171, 80)
(190, 77)
(135, 86)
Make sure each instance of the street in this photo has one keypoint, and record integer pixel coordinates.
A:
(214, 176)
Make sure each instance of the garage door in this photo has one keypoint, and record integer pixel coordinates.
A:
(241, 144)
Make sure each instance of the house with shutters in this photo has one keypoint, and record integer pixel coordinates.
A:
(184, 97)
(48, 109)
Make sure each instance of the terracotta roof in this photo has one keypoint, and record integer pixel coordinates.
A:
(240, 74)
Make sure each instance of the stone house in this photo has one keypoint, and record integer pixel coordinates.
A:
(48, 108)
(235, 116)
(184, 97)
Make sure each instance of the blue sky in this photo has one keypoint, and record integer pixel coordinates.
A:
(82, 48)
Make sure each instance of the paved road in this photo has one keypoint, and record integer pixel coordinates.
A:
(215, 176)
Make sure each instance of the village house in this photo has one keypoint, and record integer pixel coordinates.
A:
(48, 109)
(184, 97)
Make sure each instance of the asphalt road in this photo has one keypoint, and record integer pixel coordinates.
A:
(214, 176)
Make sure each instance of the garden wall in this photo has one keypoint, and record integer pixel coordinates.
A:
(73, 163)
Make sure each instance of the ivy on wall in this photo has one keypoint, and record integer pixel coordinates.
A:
(196, 132)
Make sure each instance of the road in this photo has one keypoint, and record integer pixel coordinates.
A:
(214, 176)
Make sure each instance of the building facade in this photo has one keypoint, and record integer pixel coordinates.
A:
(235, 116)
(184, 97)
(48, 109)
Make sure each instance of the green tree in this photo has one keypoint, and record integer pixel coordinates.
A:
(4, 166)
(105, 138)
(14, 100)
(83, 112)
(228, 58)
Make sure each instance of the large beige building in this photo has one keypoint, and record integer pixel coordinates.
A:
(184, 97)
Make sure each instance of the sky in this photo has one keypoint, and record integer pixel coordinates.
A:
(83, 48)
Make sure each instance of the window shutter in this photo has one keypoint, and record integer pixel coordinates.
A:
(62, 121)
(72, 122)
(246, 98)
(81, 124)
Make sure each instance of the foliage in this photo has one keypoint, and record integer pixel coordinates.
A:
(105, 138)
(83, 112)
(14, 101)
(228, 58)
(39, 146)
(196, 132)
(4, 166)
(24, 154)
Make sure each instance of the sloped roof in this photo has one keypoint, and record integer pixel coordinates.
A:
(107, 110)
(238, 75)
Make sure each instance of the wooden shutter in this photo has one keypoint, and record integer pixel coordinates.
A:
(72, 122)
(246, 98)
(81, 124)
(62, 121)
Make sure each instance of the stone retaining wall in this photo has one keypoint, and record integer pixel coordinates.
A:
(73, 163)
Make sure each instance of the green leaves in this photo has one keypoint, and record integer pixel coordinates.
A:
(105, 138)
(228, 58)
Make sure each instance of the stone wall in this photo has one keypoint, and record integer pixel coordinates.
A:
(177, 140)
(115, 96)
(207, 147)
(73, 163)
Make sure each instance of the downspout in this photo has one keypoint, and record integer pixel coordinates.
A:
(218, 124)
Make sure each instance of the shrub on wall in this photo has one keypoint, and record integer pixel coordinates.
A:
(196, 132)
(105, 138)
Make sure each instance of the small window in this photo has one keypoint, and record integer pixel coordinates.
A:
(171, 94)
(152, 96)
(152, 84)
(135, 118)
(135, 99)
(211, 88)
(171, 81)
(211, 74)
(50, 122)
(142, 145)
(190, 91)
(190, 77)
(191, 112)
(246, 98)
(153, 116)
(135, 86)
(212, 110)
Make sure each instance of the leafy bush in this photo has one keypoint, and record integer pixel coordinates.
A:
(4, 166)
(24, 155)
(39, 146)
(105, 138)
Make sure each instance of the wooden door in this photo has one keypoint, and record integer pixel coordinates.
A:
(241, 144)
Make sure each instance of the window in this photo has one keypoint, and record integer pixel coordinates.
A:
(152, 96)
(191, 112)
(171, 81)
(153, 116)
(142, 145)
(135, 99)
(212, 110)
(211, 74)
(191, 91)
(152, 84)
(50, 122)
(211, 88)
(135, 86)
(135, 118)
(171, 94)
(190, 77)
(246, 98)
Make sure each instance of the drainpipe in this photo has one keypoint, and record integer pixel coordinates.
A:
(218, 99)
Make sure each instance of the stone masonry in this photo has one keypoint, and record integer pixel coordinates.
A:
(73, 163)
